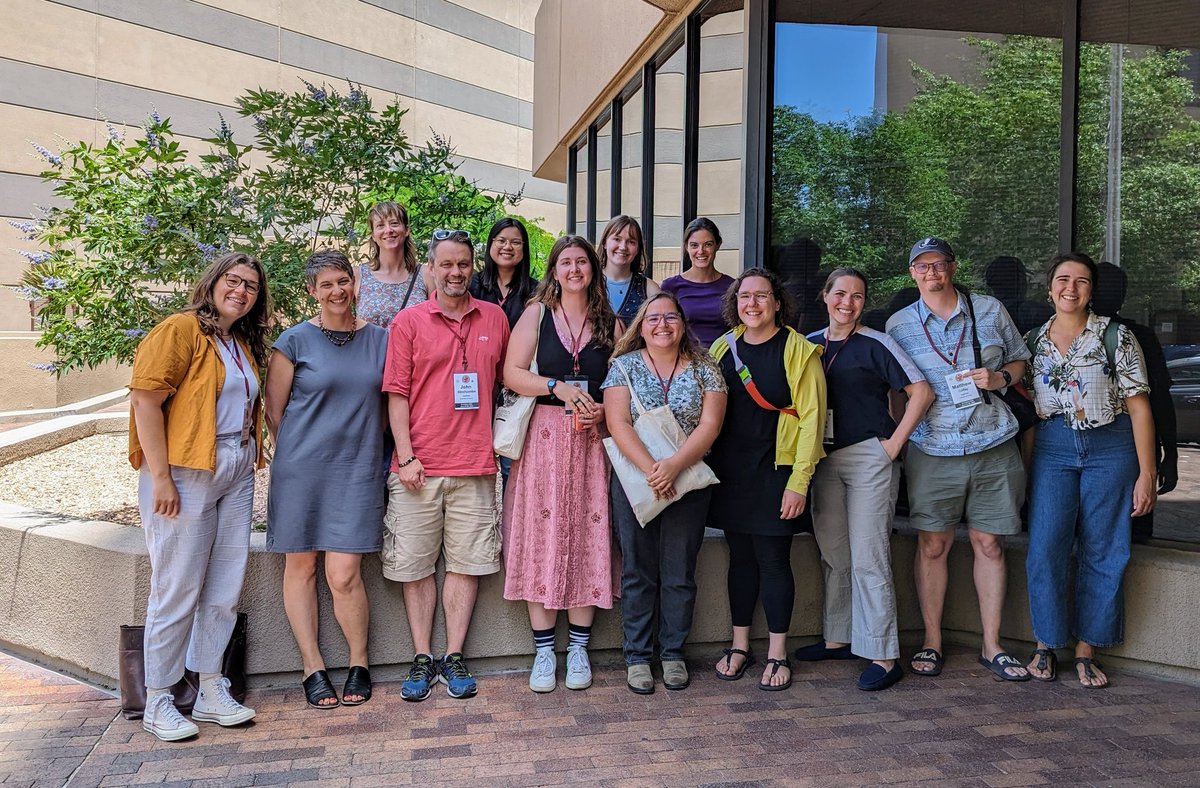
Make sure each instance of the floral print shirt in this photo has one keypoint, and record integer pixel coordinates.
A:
(686, 391)
(1080, 387)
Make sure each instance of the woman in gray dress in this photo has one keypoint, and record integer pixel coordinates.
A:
(327, 414)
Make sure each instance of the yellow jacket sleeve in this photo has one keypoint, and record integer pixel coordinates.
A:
(804, 439)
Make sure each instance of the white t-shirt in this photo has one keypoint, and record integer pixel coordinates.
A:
(231, 404)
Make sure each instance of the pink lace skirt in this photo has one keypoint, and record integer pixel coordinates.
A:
(558, 544)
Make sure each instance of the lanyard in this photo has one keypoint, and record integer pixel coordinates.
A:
(232, 348)
(665, 384)
(462, 338)
(575, 341)
(953, 362)
(836, 353)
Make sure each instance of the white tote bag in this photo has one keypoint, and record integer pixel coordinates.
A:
(510, 423)
(662, 436)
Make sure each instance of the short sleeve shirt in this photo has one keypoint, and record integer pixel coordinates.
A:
(1081, 387)
(423, 353)
(701, 304)
(947, 431)
(859, 373)
(685, 394)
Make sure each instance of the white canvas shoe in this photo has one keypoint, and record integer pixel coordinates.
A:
(215, 704)
(579, 668)
(545, 665)
(164, 720)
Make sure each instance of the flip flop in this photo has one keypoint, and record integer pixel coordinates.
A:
(318, 687)
(741, 671)
(1047, 660)
(1087, 663)
(927, 655)
(776, 664)
(999, 664)
(358, 682)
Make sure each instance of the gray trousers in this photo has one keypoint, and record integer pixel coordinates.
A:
(854, 499)
(197, 563)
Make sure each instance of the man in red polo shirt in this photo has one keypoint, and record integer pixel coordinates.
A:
(444, 359)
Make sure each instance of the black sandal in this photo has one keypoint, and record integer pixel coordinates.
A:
(776, 664)
(1047, 661)
(318, 687)
(358, 682)
(1088, 663)
(741, 671)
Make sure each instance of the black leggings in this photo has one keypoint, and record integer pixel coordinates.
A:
(761, 564)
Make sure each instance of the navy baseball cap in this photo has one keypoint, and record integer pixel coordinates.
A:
(930, 244)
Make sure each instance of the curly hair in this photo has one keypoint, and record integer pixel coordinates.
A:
(599, 311)
(390, 210)
(614, 226)
(253, 326)
(787, 304)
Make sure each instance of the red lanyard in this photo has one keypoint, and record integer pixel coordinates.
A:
(836, 353)
(665, 384)
(462, 338)
(575, 341)
(953, 362)
(232, 348)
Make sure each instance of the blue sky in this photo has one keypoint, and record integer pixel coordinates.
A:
(825, 70)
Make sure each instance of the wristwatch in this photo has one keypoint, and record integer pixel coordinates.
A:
(550, 384)
(1007, 377)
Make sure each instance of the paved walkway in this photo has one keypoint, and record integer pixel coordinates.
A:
(961, 728)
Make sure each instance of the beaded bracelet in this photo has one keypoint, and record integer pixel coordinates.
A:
(409, 461)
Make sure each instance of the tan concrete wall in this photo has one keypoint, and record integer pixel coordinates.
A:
(22, 387)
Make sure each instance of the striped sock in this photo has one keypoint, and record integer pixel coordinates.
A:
(579, 635)
(543, 638)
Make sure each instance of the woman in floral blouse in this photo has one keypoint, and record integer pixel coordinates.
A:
(1093, 462)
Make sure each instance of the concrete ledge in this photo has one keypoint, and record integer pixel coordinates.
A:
(21, 442)
(74, 409)
(69, 584)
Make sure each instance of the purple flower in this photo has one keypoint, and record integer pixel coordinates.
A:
(154, 116)
(26, 292)
(47, 155)
(28, 229)
(149, 223)
(224, 133)
(260, 122)
(152, 139)
(351, 235)
(52, 366)
(228, 161)
(308, 148)
(134, 333)
(208, 250)
(34, 257)
(317, 93)
(113, 134)
(53, 283)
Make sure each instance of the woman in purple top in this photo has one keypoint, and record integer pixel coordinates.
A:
(700, 288)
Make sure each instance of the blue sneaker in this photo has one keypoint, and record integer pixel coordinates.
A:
(454, 674)
(421, 677)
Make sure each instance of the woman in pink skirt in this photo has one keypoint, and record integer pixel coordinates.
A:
(558, 546)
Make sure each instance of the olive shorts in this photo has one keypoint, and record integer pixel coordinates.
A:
(988, 487)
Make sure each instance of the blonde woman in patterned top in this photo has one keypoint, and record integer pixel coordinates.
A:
(1093, 463)
(391, 279)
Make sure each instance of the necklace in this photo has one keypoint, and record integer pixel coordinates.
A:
(336, 340)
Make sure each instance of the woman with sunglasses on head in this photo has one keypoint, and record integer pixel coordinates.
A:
(392, 278)
(769, 442)
(701, 288)
(558, 547)
(854, 488)
(623, 260)
(506, 279)
(327, 413)
(193, 434)
(1094, 469)
(659, 362)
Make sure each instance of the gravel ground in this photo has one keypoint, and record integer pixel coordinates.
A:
(90, 479)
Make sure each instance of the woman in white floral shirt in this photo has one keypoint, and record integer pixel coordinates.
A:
(1093, 462)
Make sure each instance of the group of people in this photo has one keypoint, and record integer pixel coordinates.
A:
(381, 411)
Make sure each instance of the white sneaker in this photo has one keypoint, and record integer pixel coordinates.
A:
(545, 664)
(215, 704)
(164, 720)
(579, 668)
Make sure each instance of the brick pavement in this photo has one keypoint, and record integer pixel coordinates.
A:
(961, 728)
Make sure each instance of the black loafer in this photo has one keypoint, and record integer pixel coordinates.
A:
(816, 652)
(875, 677)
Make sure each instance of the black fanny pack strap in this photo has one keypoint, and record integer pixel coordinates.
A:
(974, 338)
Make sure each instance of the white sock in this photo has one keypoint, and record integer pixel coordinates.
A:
(153, 692)
(209, 680)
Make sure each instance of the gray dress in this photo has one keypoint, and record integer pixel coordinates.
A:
(328, 476)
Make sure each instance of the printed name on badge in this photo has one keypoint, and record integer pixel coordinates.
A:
(466, 390)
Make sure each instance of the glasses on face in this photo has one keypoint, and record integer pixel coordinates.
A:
(923, 268)
(233, 281)
(513, 243)
(442, 234)
(669, 318)
(758, 297)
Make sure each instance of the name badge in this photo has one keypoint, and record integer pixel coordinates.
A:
(575, 380)
(466, 390)
(963, 393)
(247, 421)
(828, 425)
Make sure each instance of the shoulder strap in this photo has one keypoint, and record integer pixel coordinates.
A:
(1111, 338)
(633, 396)
(974, 338)
(412, 280)
(537, 338)
(1031, 341)
(743, 372)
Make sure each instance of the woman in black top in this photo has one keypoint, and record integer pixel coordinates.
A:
(623, 260)
(505, 279)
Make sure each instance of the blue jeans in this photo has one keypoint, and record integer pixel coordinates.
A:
(1083, 476)
(658, 572)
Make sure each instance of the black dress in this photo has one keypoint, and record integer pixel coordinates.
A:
(748, 498)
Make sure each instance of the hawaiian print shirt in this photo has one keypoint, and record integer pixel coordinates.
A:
(1081, 387)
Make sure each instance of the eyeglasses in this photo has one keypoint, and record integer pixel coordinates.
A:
(670, 318)
(442, 234)
(923, 268)
(503, 242)
(758, 298)
(234, 282)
